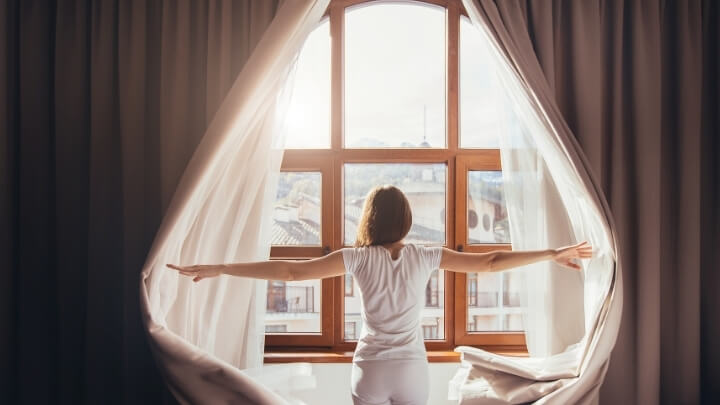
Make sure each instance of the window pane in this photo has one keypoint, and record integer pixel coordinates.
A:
(513, 322)
(481, 99)
(308, 116)
(352, 310)
(423, 184)
(395, 76)
(433, 315)
(486, 322)
(296, 216)
(487, 220)
(512, 289)
(294, 306)
(349, 286)
(493, 302)
(351, 331)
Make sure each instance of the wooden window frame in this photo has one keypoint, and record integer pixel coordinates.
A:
(325, 337)
(506, 340)
(330, 163)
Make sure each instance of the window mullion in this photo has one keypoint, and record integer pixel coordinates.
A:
(337, 32)
(453, 75)
(337, 22)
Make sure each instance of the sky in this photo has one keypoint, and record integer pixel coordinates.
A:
(395, 82)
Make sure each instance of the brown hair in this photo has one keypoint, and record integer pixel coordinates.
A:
(386, 217)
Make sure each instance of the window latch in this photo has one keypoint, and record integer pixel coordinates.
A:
(459, 248)
(326, 250)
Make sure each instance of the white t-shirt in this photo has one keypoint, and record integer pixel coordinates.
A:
(392, 296)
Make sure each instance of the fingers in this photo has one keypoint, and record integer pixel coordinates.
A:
(579, 247)
(584, 253)
(571, 265)
(187, 271)
(582, 250)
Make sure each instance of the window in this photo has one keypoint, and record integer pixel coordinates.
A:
(362, 114)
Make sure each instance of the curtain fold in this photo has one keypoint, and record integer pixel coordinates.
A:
(221, 212)
(636, 83)
(552, 198)
(642, 101)
(84, 182)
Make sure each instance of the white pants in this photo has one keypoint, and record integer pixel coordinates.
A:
(385, 382)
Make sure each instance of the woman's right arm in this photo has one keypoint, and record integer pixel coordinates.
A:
(503, 259)
(330, 265)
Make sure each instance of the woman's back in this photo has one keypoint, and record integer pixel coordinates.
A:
(392, 297)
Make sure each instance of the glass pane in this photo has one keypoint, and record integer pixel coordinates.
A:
(423, 184)
(493, 302)
(433, 315)
(481, 100)
(395, 76)
(513, 322)
(353, 322)
(487, 220)
(308, 116)
(512, 289)
(297, 213)
(349, 286)
(293, 307)
(351, 331)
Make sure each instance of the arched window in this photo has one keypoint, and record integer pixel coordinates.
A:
(385, 94)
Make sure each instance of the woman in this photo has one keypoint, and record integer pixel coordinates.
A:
(390, 364)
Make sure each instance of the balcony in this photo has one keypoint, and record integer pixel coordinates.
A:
(434, 299)
(483, 299)
(291, 300)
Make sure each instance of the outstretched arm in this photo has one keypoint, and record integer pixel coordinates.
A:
(289, 270)
(502, 260)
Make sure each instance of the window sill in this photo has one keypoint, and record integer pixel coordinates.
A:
(329, 356)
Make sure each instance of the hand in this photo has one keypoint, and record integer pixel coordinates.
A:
(198, 271)
(566, 255)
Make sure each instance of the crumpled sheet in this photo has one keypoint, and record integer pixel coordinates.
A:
(490, 379)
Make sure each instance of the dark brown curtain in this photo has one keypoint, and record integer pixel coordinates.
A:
(638, 84)
(101, 106)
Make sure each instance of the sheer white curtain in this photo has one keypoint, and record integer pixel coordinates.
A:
(552, 295)
(571, 318)
(203, 334)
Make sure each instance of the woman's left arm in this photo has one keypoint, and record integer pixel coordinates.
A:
(288, 270)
